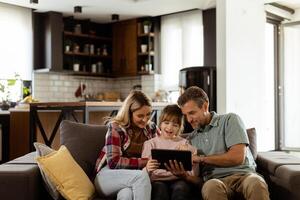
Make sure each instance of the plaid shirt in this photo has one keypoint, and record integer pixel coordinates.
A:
(116, 142)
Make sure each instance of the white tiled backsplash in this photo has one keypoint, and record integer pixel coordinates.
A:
(61, 87)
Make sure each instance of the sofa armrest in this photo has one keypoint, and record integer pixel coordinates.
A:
(20, 179)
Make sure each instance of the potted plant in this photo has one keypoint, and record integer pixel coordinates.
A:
(147, 26)
(5, 93)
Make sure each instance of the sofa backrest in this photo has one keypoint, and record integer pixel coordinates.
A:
(251, 132)
(84, 141)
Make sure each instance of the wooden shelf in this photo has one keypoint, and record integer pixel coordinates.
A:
(151, 53)
(146, 35)
(68, 33)
(70, 53)
(76, 53)
(145, 73)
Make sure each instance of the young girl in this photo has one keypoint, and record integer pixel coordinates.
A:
(165, 185)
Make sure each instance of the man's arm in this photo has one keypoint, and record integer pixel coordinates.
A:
(233, 157)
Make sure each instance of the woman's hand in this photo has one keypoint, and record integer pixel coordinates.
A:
(152, 165)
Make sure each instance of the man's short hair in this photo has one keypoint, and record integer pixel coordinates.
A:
(195, 94)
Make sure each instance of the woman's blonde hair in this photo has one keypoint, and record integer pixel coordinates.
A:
(172, 113)
(134, 101)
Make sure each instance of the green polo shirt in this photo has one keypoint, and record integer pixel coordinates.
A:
(217, 137)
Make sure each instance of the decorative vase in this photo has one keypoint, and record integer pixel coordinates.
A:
(5, 105)
(146, 29)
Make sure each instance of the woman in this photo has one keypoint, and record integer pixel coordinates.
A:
(119, 164)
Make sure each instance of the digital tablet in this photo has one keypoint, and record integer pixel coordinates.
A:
(164, 155)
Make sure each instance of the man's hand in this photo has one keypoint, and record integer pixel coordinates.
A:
(176, 169)
(152, 165)
(198, 159)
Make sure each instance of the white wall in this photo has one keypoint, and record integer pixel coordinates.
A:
(296, 15)
(61, 87)
(16, 41)
(240, 62)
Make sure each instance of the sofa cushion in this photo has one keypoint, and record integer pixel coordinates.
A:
(271, 160)
(43, 150)
(68, 177)
(20, 182)
(26, 159)
(289, 177)
(84, 142)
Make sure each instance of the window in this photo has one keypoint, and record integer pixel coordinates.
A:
(266, 141)
(16, 39)
(181, 45)
(291, 86)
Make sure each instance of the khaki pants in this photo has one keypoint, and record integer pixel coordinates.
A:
(251, 186)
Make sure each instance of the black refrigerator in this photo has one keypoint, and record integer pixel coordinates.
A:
(203, 77)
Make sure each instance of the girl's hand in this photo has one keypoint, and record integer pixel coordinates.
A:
(183, 147)
(152, 165)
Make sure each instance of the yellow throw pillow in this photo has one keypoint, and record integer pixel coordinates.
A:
(67, 175)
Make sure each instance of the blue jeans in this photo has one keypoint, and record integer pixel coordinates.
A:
(126, 184)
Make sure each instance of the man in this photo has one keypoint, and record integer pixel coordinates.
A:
(228, 167)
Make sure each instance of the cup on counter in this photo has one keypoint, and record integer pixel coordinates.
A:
(76, 67)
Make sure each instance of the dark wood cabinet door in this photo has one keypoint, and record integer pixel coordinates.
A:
(124, 48)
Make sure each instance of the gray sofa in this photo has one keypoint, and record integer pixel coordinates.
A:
(282, 173)
(20, 179)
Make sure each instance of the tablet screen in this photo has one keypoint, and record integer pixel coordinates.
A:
(164, 155)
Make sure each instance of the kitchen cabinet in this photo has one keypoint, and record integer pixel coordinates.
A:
(47, 43)
(124, 48)
(87, 47)
(65, 44)
(146, 46)
(19, 134)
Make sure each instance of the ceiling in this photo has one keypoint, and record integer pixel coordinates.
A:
(101, 10)
(294, 4)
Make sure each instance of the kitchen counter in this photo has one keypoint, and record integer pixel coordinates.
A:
(90, 104)
(76, 111)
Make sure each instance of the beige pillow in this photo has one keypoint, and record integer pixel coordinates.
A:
(67, 175)
(43, 150)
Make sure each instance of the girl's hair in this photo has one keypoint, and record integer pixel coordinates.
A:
(172, 113)
(134, 101)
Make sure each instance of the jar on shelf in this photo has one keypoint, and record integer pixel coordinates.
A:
(100, 67)
(104, 50)
(77, 29)
(76, 48)
(86, 48)
(92, 49)
(94, 68)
